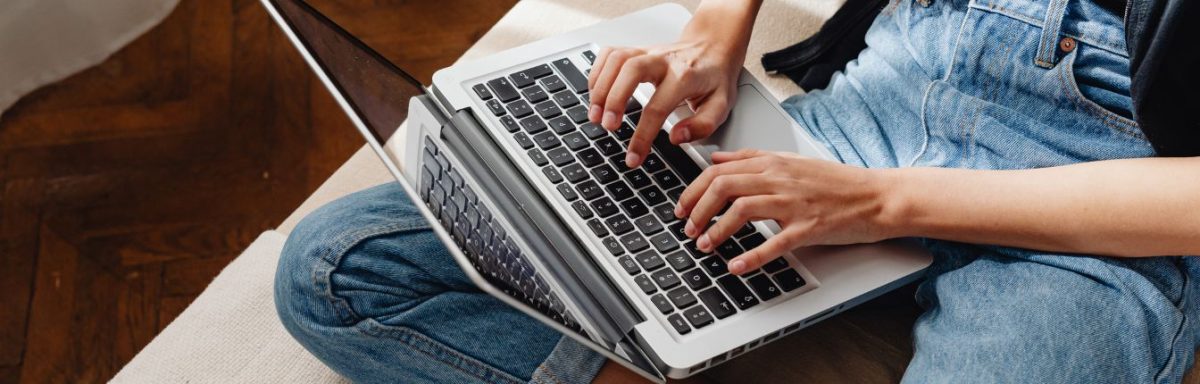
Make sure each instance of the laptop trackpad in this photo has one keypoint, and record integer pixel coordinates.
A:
(757, 123)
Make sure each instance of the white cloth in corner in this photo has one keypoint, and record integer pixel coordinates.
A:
(43, 41)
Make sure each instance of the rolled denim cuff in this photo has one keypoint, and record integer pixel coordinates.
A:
(569, 362)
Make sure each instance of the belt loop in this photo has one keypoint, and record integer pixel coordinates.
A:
(1048, 44)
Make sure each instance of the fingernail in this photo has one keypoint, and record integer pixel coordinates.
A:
(632, 159)
(704, 243)
(594, 113)
(679, 211)
(689, 229)
(610, 120)
(737, 266)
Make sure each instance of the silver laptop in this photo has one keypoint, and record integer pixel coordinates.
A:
(537, 207)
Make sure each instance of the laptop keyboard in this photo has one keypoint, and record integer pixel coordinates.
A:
(482, 239)
(631, 211)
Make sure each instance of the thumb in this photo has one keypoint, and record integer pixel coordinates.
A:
(709, 115)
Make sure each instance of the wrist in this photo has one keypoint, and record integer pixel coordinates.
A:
(896, 203)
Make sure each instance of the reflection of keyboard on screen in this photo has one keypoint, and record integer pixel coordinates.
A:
(630, 211)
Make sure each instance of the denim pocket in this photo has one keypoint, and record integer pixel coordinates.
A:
(1097, 81)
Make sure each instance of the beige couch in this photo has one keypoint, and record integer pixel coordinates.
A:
(231, 334)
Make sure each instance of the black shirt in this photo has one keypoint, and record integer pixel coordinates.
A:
(1164, 66)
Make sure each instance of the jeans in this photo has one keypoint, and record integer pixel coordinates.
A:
(987, 84)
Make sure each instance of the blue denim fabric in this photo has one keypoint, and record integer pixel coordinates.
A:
(986, 84)
(365, 286)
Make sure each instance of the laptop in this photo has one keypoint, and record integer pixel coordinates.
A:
(537, 207)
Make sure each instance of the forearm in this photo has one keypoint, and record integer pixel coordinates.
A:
(1134, 207)
(732, 19)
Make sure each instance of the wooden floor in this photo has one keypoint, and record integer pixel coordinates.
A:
(126, 188)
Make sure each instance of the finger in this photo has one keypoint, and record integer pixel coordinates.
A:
(692, 193)
(724, 157)
(721, 191)
(709, 115)
(667, 95)
(775, 246)
(637, 70)
(608, 74)
(742, 211)
(594, 73)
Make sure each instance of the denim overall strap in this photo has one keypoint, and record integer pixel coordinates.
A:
(1051, 26)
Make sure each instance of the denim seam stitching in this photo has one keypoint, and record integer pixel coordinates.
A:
(924, 124)
(1098, 43)
(1173, 356)
(962, 28)
(1066, 77)
(418, 340)
(321, 274)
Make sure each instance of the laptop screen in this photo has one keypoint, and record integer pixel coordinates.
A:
(374, 87)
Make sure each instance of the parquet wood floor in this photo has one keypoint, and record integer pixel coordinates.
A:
(124, 189)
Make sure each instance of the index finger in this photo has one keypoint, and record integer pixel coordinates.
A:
(667, 96)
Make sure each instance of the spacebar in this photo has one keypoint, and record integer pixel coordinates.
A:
(676, 158)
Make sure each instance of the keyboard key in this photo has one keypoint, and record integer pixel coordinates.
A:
(664, 212)
(561, 125)
(613, 245)
(716, 302)
(575, 141)
(589, 157)
(789, 280)
(637, 177)
(503, 89)
(582, 209)
(634, 242)
(695, 278)
(737, 291)
(675, 193)
(752, 241)
(666, 179)
(552, 174)
(604, 207)
(482, 92)
(533, 125)
(665, 279)
(619, 224)
(509, 123)
(527, 77)
(653, 195)
(680, 261)
(663, 242)
(648, 224)
(574, 173)
(619, 190)
(534, 94)
(662, 303)
(714, 266)
(537, 157)
(635, 117)
(628, 265)
(634, 207)
(547, 109)
(646, 285)
(566, 99)
(547, 140)
(763, 287)
(676, 157)
(589, 56)
(698, 316)
(568, 193)
(632, 106)
(593, 131)
(552, 83)
(589, 189)
(649, 260)
(653, 163)
(578, 114)
(745, 230)
(519, 108)
(608, 146)
(679, 324)
(776, 265)
(729, 249)
(559, 156)
(604, 174)
(625, 132)
(523, 140)
(681, 297)
(574, 78)
(618, 163)
(597, 228)
(495, 106)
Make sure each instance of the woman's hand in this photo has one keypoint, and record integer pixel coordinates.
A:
(815, 202)
(702, 69)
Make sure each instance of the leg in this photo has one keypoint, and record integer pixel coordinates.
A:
(366, 286)
(1005, 315)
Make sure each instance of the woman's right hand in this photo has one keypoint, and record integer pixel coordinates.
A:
(701, 69)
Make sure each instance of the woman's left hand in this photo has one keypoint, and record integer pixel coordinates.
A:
(815, 202)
